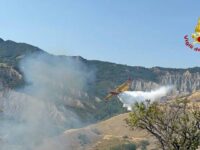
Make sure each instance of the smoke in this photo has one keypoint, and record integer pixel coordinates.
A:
(38, 111)
(128, 98)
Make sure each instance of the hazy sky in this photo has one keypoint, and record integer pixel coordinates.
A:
(134, 32)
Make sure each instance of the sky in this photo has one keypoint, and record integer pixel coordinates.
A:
(133, 32)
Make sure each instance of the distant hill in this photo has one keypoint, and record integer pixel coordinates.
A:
(11, 52)
(107, 76)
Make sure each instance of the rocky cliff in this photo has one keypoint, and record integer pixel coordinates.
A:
(184, 81)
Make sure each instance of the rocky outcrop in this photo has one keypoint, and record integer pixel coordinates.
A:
(9, 77)
(141, 85)
(183, 82)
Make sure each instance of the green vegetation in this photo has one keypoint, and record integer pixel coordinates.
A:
(83, 139)
(115, 143)
(144, 144)
(11, 52)
(129, 146)
(175, 125)
(96, 131)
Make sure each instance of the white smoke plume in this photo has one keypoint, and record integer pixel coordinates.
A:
(128, 98)
(38, 111)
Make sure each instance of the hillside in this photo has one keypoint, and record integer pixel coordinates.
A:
(90, 104)
(109, 133)
(101, 136)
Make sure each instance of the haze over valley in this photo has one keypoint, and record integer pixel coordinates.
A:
(44, 97)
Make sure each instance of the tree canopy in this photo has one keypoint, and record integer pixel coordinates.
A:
(176, 124)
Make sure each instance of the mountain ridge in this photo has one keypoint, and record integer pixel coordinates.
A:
(107, 76)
